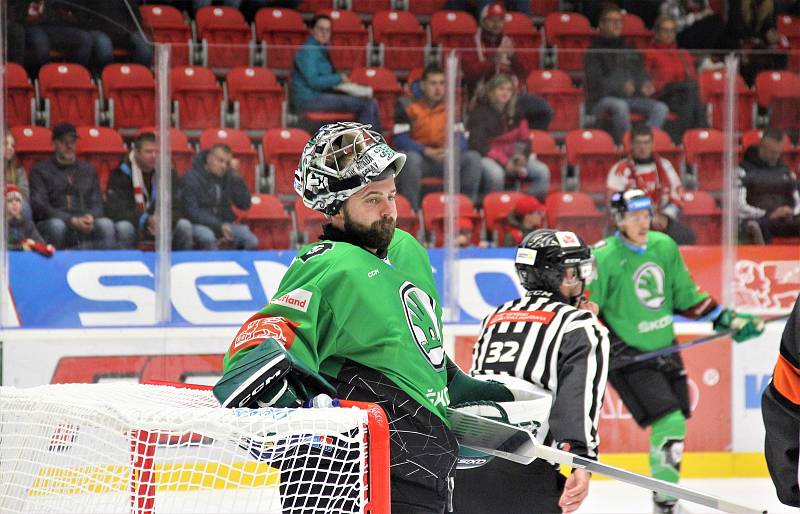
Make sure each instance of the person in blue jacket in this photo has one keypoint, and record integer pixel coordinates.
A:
(314, 77)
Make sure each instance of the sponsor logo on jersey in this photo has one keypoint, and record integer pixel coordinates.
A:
(316, 251)
(254, 331)
(567, 239)
(297, 300)
(648, 284)
(440, 397)
(423, 323)
(656, 324)
(543, 317)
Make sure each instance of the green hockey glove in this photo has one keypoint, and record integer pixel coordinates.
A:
(744, 326)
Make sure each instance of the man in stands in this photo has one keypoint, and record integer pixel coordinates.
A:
(654, 175)
(616, 81)
(131, 198)
(314, 79)
(494, 53)
(419, 131)
(207, 192)
(65, 197)
(769, 202)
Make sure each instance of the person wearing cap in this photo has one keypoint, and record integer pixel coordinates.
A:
(358, 316)
(65, 196)
(528, 214)
(493, 53)
(16, 175)
(644, 169)
(642, 281)
(21, 231)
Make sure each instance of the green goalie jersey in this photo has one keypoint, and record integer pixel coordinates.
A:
(340, 307)
(638, 292)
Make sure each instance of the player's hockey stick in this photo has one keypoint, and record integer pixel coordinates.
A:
(626, 360)
(519, 445)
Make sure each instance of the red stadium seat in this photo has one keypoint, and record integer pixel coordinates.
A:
(453, 30)
(401, 38)
(557, 88)
(308, 221)
(282, 149)
(19, 96)
(704, 153)
(240, 145)
(32, 144)
(712, 94)
(103, 148)
(312, 6)
(634, 32)
(385, 88)
(570, 34)
(169, 26)
(541, 8)
(70, 94)
(130, 90)
(433, 216)
(197, 96)
(701, 213)
(282, 32)
(407, 219)
(576, 212)
(791, 154)
(269, 222)
(546, 150)
(526, 37)
(662, 145)
(349, 39)
(225, 36)
(370, 6)
(789, 26)
(779, 92)
(425, 7)
(258, 99)
(497, 205)
(593, 153)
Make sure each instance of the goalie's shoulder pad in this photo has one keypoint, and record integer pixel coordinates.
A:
(258, 373)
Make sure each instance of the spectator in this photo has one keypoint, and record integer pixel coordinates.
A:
(52, 27)
(494, 53)
(314, 79)
(768, 191)
(22, 233)
(207, 191)
(698, 26)
(419, 131)
(499, 133)
(752, 23)
(15, 174)
(16, 12)
(114, 25)
(674, 78)
(65, 196)
(131, 198)
(643, 169)
(528, 214)
(465, 229)
(476, 7)
(616, 80)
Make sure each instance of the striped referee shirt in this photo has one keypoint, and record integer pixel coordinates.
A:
(558, 348)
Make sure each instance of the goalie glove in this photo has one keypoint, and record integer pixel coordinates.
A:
(744, 326)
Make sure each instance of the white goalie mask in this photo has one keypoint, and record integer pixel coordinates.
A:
(340, 160)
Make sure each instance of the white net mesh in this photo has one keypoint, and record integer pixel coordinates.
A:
(144, 448)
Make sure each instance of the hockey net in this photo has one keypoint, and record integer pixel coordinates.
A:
(135, 448)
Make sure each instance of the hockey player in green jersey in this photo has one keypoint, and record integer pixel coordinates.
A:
(357, 316)
(641, 281)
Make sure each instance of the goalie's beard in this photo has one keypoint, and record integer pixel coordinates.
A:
(378, 235)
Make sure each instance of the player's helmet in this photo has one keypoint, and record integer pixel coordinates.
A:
(544, 256)
(630, 200)
(340, 160)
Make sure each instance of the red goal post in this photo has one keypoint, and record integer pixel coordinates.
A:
(168, 447)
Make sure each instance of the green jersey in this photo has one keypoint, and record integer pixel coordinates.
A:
(343, 304)
(637, 292)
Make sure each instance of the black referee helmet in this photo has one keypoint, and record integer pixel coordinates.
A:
(544, 255)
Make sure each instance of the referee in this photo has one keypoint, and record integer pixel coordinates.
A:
(547, 341)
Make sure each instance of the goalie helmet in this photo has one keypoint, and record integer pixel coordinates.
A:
(340, 160)
(631, 200)
(544, 256)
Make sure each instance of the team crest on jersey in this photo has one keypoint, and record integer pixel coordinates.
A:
(261, 327)
(648, 283)
(316, 250)
(420, 312)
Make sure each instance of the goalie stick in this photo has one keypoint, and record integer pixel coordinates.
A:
(623, 361)
(519, 445)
